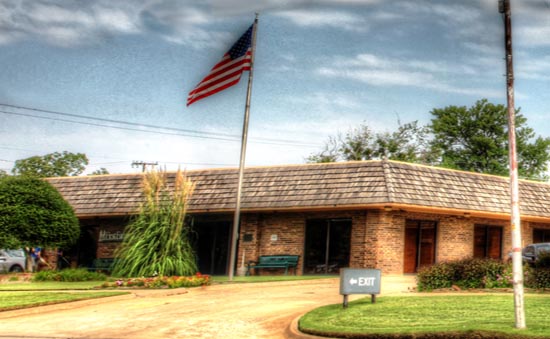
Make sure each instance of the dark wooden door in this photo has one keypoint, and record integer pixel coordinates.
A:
(420, 245)
(411, 242)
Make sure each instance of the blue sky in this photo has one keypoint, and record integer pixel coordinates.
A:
(322, 67)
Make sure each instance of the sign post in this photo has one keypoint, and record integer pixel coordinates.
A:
(359, 281)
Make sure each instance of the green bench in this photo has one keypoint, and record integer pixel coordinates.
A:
(274, 261)
(102, 265)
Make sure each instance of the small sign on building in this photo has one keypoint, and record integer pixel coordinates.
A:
(107, 236)
(359, 281)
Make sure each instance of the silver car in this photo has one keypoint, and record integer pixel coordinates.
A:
(12, 260)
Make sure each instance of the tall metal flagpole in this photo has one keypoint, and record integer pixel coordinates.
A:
(237, 217)
(517, 268)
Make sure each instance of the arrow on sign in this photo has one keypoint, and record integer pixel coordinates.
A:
(353, 281)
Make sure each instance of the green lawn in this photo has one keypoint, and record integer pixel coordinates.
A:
(49, 285)
(10, 300)
(421, 314)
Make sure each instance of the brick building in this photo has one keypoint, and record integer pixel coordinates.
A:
(370, 214)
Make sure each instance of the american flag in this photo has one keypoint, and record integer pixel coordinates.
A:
(228, 71)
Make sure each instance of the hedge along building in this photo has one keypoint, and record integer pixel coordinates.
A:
(371, 214)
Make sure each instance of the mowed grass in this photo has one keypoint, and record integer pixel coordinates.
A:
(49, 285)
(430, 314)
(10, 300)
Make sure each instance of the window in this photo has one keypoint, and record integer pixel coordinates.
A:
(541, 235)
(487, 241)
(327, 245)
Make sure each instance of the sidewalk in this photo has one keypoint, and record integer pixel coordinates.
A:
(250, 310)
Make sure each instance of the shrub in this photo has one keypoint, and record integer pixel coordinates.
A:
(476, 273)
(66, 275)
(434, 277)
(538, 278)
(468, 273)
(543, 260)
(160, 282)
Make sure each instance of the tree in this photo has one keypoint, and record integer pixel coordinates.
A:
(471, 139)
(358, 144)
(330, 153)
(33, 213)
(157, 240)
(476, 139)
(409, 143)
(51, 165)
(100, 171)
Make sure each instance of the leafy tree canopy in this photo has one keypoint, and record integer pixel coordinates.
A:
(476, 139)
(33, 213)
(466, 138)
(408, 143)
(51, 165)
(100, 171)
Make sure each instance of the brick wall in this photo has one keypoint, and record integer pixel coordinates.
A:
(284, 233)
(455, 238)
(359, 240)
(385, 241)
(377, 241)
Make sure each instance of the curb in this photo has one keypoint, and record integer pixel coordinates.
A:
(292, 331)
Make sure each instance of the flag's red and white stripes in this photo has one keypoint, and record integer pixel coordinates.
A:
(224, 74)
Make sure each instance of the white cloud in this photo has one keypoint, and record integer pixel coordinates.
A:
(534, 68)
(116, 20)
(379, 77)
(377, 71)
(534, 35)
(66, 25)
(52, 14)
(329, 101)
(334, 19)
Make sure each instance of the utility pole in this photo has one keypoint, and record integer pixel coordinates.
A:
(517, 268)
(143, 164)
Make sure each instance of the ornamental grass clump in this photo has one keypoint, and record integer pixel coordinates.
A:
(156, 242)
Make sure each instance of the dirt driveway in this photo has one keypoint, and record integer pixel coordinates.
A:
(259, 310)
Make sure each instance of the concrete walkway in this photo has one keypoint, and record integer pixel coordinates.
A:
(253, 310)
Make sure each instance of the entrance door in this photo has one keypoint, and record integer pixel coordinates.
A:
(420, 244)
(212, 246)
(327, 245)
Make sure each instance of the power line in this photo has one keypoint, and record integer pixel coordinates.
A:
(115, 121)
(121, 161)
(115, 127)
(184, 132)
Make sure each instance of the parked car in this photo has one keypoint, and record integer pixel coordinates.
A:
(12, 260)
(531, 253)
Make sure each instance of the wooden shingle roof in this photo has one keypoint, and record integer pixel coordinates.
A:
(316, 186)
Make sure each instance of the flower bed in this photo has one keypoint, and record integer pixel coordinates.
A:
(160, 282)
